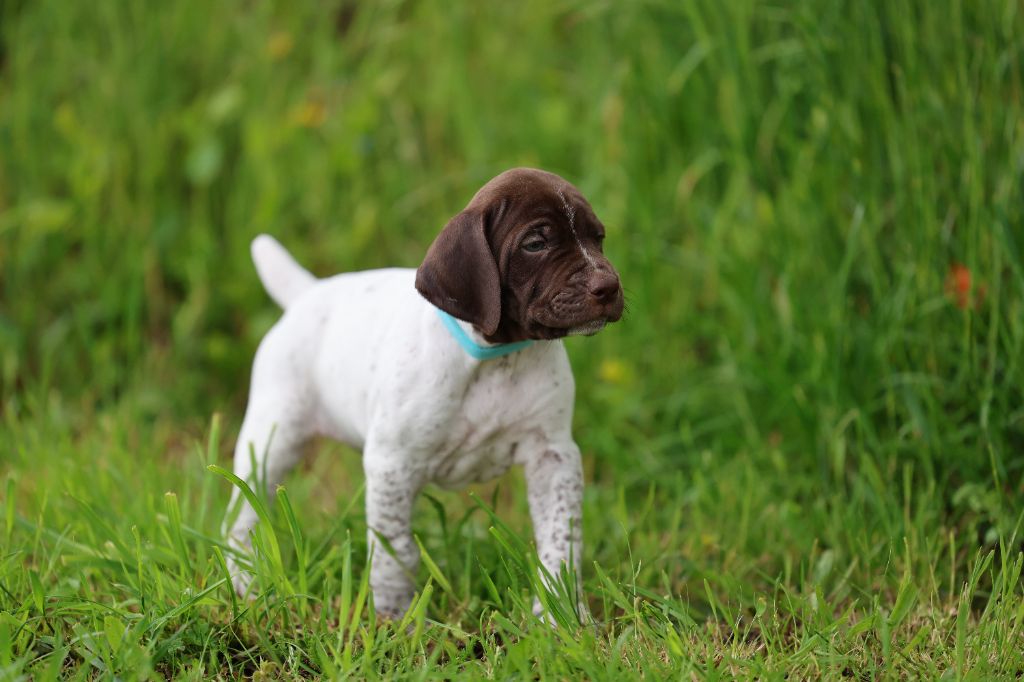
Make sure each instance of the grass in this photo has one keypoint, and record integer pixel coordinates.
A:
(803, 446)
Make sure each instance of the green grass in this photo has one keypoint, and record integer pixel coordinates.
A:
(804, 445)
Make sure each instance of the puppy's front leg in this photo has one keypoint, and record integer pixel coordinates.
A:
(391, 489)
(554, 479)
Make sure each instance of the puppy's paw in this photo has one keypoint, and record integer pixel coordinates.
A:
(242, 583)
(391, 605)
(241, 580)
(582, 614)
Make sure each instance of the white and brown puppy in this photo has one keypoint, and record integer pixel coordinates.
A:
(448, 374)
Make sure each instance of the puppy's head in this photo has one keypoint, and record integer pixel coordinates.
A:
(523, 261)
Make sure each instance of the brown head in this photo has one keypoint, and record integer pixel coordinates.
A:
(523, 261)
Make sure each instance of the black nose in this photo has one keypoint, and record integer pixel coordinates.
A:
(603, 286)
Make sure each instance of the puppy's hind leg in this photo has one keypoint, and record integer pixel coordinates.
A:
(272, 438)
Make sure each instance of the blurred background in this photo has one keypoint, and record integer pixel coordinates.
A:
(815, 207)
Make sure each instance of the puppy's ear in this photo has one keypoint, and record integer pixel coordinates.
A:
(459, 274)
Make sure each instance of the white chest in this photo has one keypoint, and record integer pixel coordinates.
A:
(487, 425)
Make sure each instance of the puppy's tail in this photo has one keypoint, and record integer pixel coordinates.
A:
(282, 277)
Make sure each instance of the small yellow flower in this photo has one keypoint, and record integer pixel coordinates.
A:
(613, 371)
(309, 114)
(279, 45)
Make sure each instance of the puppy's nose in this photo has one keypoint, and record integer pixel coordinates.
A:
(603, 286)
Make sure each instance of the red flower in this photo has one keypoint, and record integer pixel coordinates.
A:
(959, 285)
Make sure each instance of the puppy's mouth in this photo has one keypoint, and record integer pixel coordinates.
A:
(539, 330)
(588, 329)
(569, 314)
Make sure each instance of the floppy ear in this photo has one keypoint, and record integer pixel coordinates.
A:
(459, 274)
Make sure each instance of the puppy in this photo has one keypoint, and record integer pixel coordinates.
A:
(448, 374)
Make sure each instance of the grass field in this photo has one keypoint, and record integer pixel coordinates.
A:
(804, 444)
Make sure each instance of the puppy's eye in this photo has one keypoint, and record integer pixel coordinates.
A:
(533, 245)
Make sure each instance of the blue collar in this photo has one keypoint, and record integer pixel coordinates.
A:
(472, 347)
